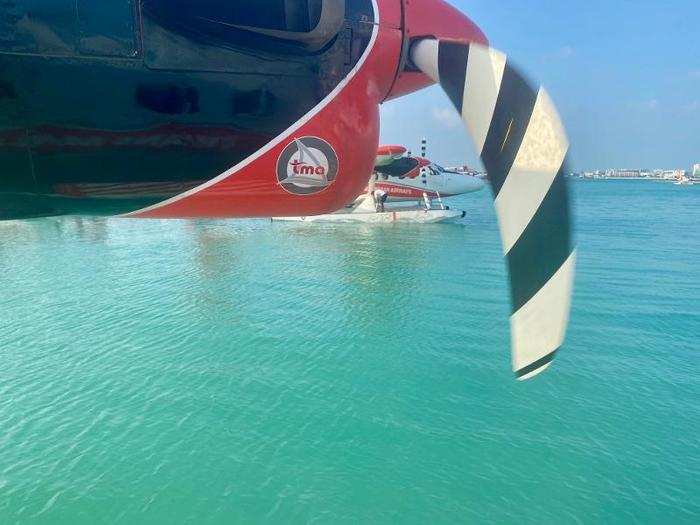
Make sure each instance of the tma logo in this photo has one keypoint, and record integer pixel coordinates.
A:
(307, 166)
(301, 168)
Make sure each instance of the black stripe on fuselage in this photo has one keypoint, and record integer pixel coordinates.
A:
(511, 117)
(544, 246)
(452, 67)
(536, 365)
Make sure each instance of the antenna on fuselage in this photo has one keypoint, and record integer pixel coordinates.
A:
(424, 155)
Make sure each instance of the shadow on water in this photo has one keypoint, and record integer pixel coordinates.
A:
(91, 230)
(300, 270)
(86, 229)
(215, 253)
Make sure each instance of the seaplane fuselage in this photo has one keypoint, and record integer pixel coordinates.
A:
(407, 178)
(435, 182)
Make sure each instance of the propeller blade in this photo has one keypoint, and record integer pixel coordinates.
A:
(523, 146)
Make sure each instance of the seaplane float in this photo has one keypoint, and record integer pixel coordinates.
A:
(183, 109)
(365, 209)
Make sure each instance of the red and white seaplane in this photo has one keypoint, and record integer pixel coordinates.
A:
(408, 178)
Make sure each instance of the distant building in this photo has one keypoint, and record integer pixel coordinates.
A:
(466, 170)
(627, 174)
(670, 175)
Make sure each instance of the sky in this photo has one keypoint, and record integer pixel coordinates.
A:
(625, 75)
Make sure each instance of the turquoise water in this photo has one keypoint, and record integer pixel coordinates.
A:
(214, 372)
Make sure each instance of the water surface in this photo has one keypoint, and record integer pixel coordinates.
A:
(249, 372)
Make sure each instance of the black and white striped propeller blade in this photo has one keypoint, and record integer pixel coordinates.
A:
(523, 146)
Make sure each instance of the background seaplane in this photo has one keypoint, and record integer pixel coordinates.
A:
(183, 108)
(402, 178)
(406, 178)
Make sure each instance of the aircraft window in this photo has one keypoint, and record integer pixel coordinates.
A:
(256, 102)
(308, 24)
(262, 13)
(399, 168)
(168, 99)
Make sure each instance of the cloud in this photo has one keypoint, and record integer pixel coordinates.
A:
(448, 117)
(646, 105)
(692, 107)
(563, 53)
(694, 74)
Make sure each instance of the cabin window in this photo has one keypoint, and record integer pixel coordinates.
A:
(257, 102)
(399, 168)
(211, 16)
(275, 26)
(168, 99)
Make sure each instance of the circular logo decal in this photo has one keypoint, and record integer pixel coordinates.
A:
(307, 166)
